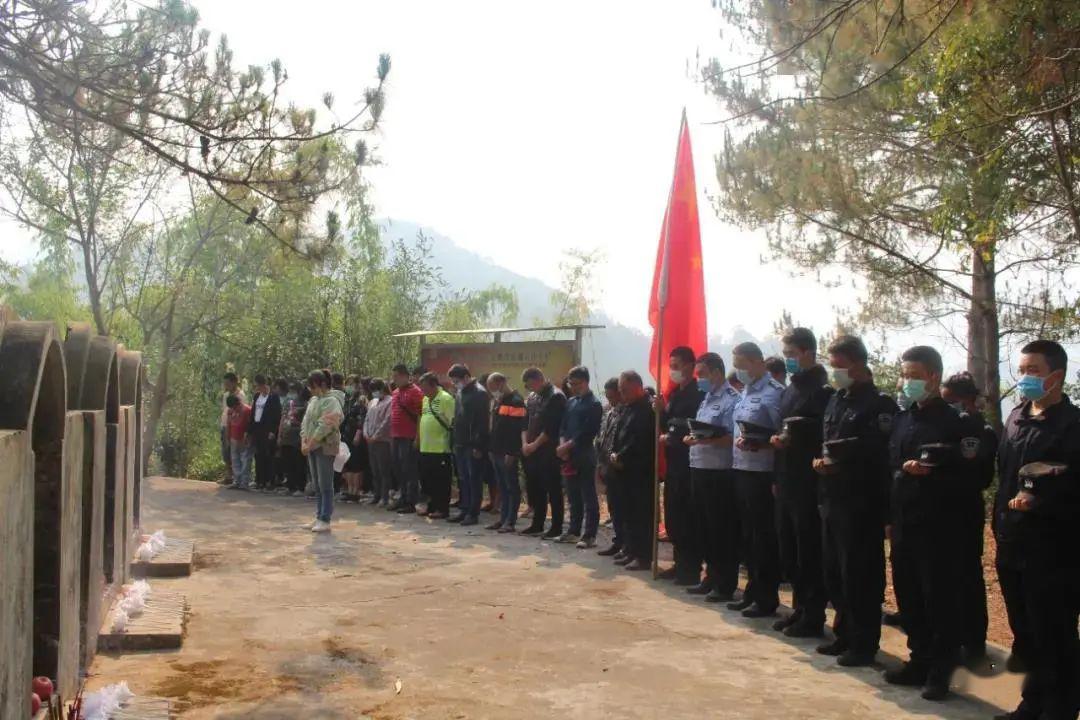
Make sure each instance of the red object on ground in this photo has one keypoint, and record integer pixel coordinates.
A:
(678, 287)
(35, 704)
(42, 686)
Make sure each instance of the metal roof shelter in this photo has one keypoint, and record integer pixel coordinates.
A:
(498, 333)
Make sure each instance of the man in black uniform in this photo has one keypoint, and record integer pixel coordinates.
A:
(854, 502)
(797, 517)
(1038, 533)
(681, 404)
(616, 494)
(962, 394)
(633, 461)
(934, 454)
(543, 484)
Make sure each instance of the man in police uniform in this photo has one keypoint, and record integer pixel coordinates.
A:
(681, 403)
(752, 460)
(934, 454)
(712, 483)
(961, 393)
(1038, 532)
(798, 520)
(853, 496)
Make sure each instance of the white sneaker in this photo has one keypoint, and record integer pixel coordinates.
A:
(586, 543)
(320, 527)
(298, 493)
(568, 538)
(309, 525)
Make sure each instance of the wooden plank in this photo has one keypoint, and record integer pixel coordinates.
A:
(160, 626)
(139, 708)
(174, 560)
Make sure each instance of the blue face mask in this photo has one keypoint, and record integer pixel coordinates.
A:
(915, 390)
(1032, 387)
(792, 365)
(744, 376)
(704, 385)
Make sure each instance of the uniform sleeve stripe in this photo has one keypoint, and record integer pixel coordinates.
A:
(510, 411)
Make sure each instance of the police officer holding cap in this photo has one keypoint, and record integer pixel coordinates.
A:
(1036, 524)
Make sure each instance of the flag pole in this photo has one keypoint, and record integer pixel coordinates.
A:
(662, 298)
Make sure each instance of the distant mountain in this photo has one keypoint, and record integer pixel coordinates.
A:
(607, 352)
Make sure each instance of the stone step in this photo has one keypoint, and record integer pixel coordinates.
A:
(160, 625)
(174, 560)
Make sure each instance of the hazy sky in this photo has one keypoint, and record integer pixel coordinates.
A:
(521, 129)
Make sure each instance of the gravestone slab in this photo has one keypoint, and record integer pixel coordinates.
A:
(174, 560)
(16, 571)
(160, 625)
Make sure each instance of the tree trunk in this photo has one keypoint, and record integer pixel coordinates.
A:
(984, 342)
(158, 399)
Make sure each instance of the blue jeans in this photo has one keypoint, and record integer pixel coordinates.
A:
(470, 481)
(322, 474)
(241, 463)
(581, 490)
(509, 487)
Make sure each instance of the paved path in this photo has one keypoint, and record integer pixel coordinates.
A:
(288, 625)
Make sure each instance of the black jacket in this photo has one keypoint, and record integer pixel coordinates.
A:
(507, 424)
(472, 414)
(807, 395)
(635, 441)
(605, 441)
(935, 500)
(682, 405)
(271, 417)
(1049, 533)
(545, 413)
(860, 485)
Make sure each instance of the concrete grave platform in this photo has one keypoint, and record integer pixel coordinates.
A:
(173, 561)
(160, 626)
(140, 708)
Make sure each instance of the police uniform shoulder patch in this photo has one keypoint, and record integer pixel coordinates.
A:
(969, 447)
(885, 422)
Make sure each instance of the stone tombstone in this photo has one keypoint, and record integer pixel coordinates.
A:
(131, 394)
(16, 571)
(70, 518)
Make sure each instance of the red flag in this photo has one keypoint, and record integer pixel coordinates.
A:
(678, 288)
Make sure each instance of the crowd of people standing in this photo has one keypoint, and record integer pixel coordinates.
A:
(796, 472)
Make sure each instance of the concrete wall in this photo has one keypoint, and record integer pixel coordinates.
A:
(93, 528)
(16, 572)
(69, 473)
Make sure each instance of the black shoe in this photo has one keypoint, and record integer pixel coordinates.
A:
(460, 517)
(715, 596)
(373, 501)
(854, 658)
(1016, 664)
(552, 534)
(621, 555)
(703, 588)
(494, 526)
(935, 690)
(532, 531)
(668, 574)
(407, 510)
(785, 622)
(688, 581)
(624, 560)
(977, 661)
(470, 521)
(740, 605)
(756, 611)
(610, 550)
(909, 675)
(835, 648)
(1017, 714)
(805, 629)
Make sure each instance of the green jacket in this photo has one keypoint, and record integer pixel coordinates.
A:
(322, 423)
(436, 420)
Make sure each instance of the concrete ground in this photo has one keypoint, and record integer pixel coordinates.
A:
(394, 617)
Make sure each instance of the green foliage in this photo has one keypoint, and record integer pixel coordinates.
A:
(49, 292)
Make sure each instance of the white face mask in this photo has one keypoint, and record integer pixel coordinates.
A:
(377, 394)
(841, 378)
(677, 376)
(497, 394)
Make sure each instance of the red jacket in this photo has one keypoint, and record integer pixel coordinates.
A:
(405, 410)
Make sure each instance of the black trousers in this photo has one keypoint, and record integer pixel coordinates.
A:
(853, 541)
(543, 485)
(1043, 602)
(757, 512)
(264, 461)
(717, 523)
(971, 578)
(435, 474)
(926, 566)
(640, 521)
(798, 530)
(294, 466)
(615, 491)
(680, 522)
